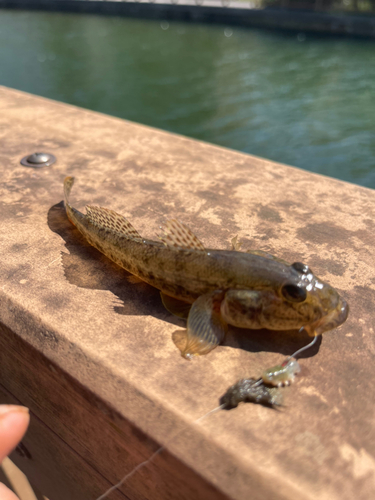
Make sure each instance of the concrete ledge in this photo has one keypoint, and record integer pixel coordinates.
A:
(237, 13)
(93, 355)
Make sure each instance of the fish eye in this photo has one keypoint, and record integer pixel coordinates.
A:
(293, 293)
(301, 268)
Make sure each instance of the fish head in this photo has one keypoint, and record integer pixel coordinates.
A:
(293, 299)
(330, 309)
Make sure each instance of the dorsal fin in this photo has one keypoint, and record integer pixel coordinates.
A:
(178, 235)
(106, 218)
(68, 184)
(236, 243)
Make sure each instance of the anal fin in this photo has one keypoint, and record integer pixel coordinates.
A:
(132, 278)
(177, 307)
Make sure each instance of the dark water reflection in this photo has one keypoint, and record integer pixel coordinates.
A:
(297, 99)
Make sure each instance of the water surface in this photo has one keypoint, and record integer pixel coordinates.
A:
(299, 99)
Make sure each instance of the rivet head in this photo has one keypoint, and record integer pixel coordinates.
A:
(38, 160)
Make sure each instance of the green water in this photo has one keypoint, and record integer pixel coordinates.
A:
(297, 99)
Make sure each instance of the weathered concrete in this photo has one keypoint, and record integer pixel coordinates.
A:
(235, 13)
(94, 357)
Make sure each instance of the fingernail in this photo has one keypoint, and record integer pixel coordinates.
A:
(4, 409)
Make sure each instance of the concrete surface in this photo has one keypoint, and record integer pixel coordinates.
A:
(109, 346)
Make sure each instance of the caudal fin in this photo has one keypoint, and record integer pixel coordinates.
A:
(68, 184)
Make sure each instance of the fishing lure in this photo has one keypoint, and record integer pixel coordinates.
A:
(256, 391)
(282, 374)
(250, 390)
(213, 288)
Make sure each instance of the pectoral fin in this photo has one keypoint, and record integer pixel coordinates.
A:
(243, 308)
(177, 307)
(205, 328)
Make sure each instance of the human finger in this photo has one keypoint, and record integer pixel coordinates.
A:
(14, 421)
(6, 494)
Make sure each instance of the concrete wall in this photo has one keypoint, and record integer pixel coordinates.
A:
(236, 14)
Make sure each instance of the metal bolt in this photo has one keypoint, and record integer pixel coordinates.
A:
(38, 160)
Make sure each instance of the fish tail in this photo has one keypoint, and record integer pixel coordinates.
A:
(71, 212)
(68, 184)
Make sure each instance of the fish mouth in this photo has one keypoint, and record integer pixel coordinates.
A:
(343, 312)
(331, 320)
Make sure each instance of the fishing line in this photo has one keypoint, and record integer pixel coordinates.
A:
(294, 355)
(151, 458)
(259, 381)
(214, 410)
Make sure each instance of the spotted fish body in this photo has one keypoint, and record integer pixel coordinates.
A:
(213, 288)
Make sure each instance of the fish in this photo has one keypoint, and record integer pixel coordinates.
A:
(212, 288)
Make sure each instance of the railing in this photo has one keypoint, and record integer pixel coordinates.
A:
(93, 356)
